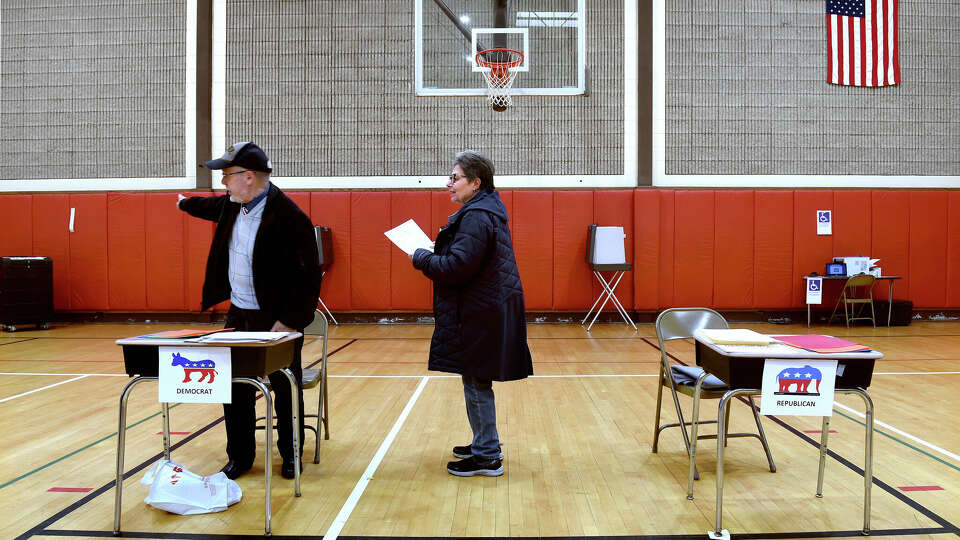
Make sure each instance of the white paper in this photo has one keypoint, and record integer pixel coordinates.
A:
(409, 237)
(221, 337)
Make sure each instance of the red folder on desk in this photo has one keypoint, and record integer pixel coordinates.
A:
(822, 344)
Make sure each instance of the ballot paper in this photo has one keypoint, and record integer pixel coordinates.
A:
(409, 237)
(227, 337)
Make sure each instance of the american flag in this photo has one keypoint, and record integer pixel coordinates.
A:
(862, 47)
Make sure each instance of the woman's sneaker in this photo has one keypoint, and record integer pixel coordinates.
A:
(473, 467)
(463, 452)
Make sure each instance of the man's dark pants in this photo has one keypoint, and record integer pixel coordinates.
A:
(240, 416)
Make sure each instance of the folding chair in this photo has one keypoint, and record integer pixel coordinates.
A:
(313, 377)
(607, 263)
(681, 323)
(860, 283)
(325, 250)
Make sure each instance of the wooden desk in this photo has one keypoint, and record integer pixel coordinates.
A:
(891, 279)
(249, 360)
(743, 372)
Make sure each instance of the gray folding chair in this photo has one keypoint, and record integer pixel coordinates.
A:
(313, 377)
(681, 323)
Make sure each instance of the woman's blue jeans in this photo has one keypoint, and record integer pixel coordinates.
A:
(482, 414)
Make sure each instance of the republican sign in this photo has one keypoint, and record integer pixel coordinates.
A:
(801, 387)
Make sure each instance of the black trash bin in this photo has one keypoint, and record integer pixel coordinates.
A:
(901, 316)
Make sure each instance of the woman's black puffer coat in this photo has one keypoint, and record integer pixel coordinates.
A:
(481, 328)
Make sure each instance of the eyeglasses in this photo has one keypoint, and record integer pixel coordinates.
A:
(237, 172)
(455, 177)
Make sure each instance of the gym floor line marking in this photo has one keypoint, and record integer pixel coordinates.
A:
(42, 388)
(902, 433)
(930, 514)
(679, 536)
(916, 372)
(69, 490)
(348, 506)
(78, 450)
(920, 488)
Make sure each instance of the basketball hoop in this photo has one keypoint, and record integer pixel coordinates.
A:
(498, 67)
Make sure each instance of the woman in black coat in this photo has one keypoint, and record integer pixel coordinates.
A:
(481, 330)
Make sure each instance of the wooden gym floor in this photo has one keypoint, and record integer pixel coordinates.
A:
(576, 438)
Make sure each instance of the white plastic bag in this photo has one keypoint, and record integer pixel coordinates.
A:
(175, 489)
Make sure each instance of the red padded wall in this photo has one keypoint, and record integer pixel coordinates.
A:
(88, 252)
(533, 243)
(301, 199)
(811, 251)
(694, 252)
(852, 216)
(774, 276)
(16, 222)
(734, 251)
(51, 216)
(166, 283)
(441, 208)
(332, 209)
(667, 247)
(572, 278)
(409, 288)
(369, 250)
(197, 237)
(646, 249)
(928, 249)
(615, 209)
(953, 249)
(126, 251)
(890, 239)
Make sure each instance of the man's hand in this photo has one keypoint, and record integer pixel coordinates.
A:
(280, 327)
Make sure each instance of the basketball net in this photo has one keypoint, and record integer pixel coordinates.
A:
(497, 68)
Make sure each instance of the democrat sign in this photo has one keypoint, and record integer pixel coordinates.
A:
(195, 375)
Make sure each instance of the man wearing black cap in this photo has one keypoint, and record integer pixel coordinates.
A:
(264, 260)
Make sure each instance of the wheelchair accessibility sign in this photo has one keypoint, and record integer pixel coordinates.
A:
(824, 222)
(814, 290)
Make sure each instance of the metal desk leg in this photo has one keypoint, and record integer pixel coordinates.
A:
(718, 531)
(268, 453)
(697, 389)
(825, 431)
(867, 452)
(121, 441)
(890, 307)
(165, 412)
(294, 400)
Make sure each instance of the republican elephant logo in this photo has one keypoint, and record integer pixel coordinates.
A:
(204, 367)
(800, 379)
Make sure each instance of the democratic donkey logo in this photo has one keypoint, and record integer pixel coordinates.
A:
(801, 377)
(204, 367)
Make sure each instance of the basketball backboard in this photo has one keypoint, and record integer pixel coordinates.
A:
(550, 34)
